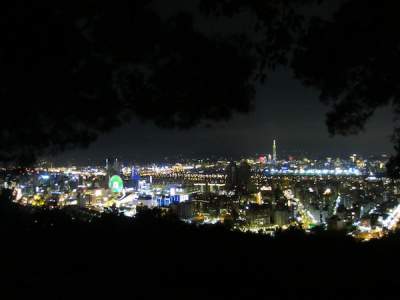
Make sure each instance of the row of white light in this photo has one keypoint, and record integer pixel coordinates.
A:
(319, 172)
(391, 221)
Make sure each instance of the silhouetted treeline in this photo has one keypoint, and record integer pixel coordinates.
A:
(46, 252)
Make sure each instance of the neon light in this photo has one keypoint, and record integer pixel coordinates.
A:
(116, 184)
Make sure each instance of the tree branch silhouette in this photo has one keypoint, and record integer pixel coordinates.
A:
(70, 72)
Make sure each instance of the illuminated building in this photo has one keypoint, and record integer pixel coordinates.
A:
(258, 215)
(147, 201)
(113, 169)
(252, 194)
(281, 217)
(185, 210)
(135, 177)
(336, 223)
(274, 157)
(231, 176)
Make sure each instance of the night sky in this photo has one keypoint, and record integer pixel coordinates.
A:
(285, 110)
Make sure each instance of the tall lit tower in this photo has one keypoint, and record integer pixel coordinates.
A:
(274, 151)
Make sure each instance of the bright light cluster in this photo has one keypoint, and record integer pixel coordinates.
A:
(321, 172)
(394, 217)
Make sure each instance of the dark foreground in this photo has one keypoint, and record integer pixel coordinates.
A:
(47, 254)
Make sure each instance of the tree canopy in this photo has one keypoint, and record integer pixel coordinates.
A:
(70, 71)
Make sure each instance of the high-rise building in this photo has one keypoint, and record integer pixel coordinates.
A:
(116, 165)
(231, 176)
(135, 177)
(112, 168)
(274, 157)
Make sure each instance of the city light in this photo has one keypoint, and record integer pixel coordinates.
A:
(259, 198)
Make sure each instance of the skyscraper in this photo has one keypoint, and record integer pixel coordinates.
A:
(274, 151)
(135, 177)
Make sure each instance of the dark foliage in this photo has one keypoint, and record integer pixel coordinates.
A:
(71, 70)
(48, 253)
(353, 59)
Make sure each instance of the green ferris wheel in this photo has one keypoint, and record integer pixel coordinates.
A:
(116, 184)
